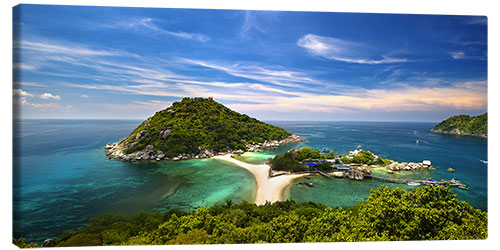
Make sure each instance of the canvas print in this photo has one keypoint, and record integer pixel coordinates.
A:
(161, 126)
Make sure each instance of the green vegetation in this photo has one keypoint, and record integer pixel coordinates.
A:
(196, 123)
(426, 213)
(21, 243)
(464, 125)
(287, 162)
(364, 157)
(290, 161)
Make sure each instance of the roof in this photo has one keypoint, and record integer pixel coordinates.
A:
(343, 167)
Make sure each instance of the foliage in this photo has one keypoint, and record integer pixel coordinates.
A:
(199, 122)
(364, 157)
(21, 243)
(325, 166)
(427, 213)
(308, 153)
(286, 162)
(290, 161)
(476, 125)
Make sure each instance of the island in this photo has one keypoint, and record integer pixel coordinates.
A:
(196, 128)
(464, 125)
(355, 164)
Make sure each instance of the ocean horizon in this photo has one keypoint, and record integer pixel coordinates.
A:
(62, 176)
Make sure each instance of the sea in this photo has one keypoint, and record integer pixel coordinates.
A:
(62, 177)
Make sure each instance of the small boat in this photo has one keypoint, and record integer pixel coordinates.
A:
(309, 184)
(412, 183)
(390, 171)
(451, 170)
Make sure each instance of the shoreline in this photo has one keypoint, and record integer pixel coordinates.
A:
(457, 132)
(116, 151)
(268, 188)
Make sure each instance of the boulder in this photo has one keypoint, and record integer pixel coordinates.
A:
(132, 145)
(338, 174)
(358, 176)
(141, 134)
(159, 154)
(165, 133)
(48, 243)
(350, 173)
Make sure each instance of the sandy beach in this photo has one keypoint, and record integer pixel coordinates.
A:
(268, 189)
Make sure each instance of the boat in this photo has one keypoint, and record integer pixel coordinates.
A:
(390, 171)
(451, 170)
(412, 183)
(309, 184)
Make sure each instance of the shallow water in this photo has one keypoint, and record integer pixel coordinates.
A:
(62, 177)
(403, 142)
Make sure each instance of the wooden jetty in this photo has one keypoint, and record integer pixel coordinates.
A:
(452, 183)
(391, 180)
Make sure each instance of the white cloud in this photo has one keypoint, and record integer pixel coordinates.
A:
(51, 106)
(457, 54)
(148, 23)
(21, 93)
(33, 84)
(62, 49)
(482, 20)
(23, 66)
(341, 50)
(286, 78)
(50, 96)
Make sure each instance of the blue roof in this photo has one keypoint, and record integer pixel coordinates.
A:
(343, 167)
(310, 164)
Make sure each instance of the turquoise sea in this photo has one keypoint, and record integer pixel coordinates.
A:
(62, 177)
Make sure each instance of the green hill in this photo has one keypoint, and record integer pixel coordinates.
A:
(464, 125)
(194, 127)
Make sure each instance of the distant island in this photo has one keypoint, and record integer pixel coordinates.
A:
(464, 125)
(196, 128)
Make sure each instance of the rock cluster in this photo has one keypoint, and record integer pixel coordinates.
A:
(456, 131)
(408, 166)
(358, 173)
(116, 150)
(273, 143)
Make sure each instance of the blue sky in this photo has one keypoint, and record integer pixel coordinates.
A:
(99, 62)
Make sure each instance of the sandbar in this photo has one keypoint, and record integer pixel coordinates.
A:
(268, 188)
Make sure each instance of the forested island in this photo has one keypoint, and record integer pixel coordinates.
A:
(196, 128)
(464, 125)
(425, 213)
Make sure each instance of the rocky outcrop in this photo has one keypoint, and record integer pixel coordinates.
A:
(456, 132)
(48, 243)
(165, 133)
(273, 144)
(408, 166)
(116, 151)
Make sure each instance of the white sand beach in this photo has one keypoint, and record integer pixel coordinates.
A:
(268, 188)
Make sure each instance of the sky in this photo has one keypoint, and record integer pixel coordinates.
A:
(128, 63)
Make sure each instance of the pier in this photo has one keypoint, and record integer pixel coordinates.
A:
(452, 183)
(360, 175)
